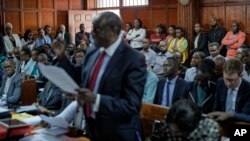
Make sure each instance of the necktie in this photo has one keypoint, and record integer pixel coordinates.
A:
(93, 77)
(229, 102)
(167, 94)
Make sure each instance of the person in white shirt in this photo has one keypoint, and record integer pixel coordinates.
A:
(148, 53)
(62, 35)
(28, 39)
(136, 35)
(195, 62)
(11, 40)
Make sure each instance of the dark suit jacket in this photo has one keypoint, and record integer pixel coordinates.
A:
(14, 92)
(209, 100)
(79, 36)
(181, 88)
(201, 45)
(2, 45)
(121, 88)
(242, 104)
(52, 102)
(67, 37)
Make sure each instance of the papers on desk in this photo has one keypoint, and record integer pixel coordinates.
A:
(34, 120)
(59, 77)
(28, 108)
(55, 121)
(44, 137)
(54, 131)
(3, 110)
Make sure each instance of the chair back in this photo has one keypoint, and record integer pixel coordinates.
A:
(28, 92)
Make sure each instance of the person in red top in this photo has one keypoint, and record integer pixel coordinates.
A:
(233, 40)
(158, 36)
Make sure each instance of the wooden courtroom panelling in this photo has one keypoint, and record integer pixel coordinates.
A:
(171, 2)
(172, 16)
(145, 15)
(11, 3)
(128, 15)
(62, 4)
(208, 12)
(76, 4)
(47, 4)
(30, 20)
(47, 17)
(62, 18)
(14, 18)
(160, 18)
(159, 3)
(247, 26)
(211, 1)
(235, 14)
(33, 14)
(28, 4)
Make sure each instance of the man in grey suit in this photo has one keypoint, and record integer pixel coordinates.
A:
(11, 84)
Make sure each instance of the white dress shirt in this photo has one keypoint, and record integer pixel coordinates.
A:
(136, 42)
(149, 57)
(234, 93)
(190, 74)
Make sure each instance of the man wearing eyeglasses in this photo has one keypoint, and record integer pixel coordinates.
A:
(10, 90)
(232, 93)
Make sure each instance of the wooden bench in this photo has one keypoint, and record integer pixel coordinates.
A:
(28, 92)
(149, 113)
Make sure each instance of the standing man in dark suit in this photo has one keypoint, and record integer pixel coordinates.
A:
(232, 93)
(171, 88)
(113, 79)
(81, 35)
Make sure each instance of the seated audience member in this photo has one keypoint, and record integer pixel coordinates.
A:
(70, 51)
(79, 57)
(246, 69)
(233, 40)
(11, 84)
(182, 69)
(148, 53)
(160, 58)
(218, 69)
(11, 40)
(150, 87)
(49, 52)
(62, 35)
(214, 50)
(241, 54)
(158, 36)
(199, 40)
(180, 44)
(171, 88)
(28, 39)
(43, 59)
(232, 92)
(83, 46)
(136, 35)
(47, 31)
(185, 122)
(195, 62)
(202, 90)
(81, 35)
(17, 59)
(51, 97)
(42, 39)
(171, 34)
(29, 68)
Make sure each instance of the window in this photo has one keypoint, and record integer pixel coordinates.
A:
(116, 3)
(135, 2)
(107, 3)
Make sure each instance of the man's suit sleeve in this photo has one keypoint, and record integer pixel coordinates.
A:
(15, 97)
(217, 96)
(128, 103)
